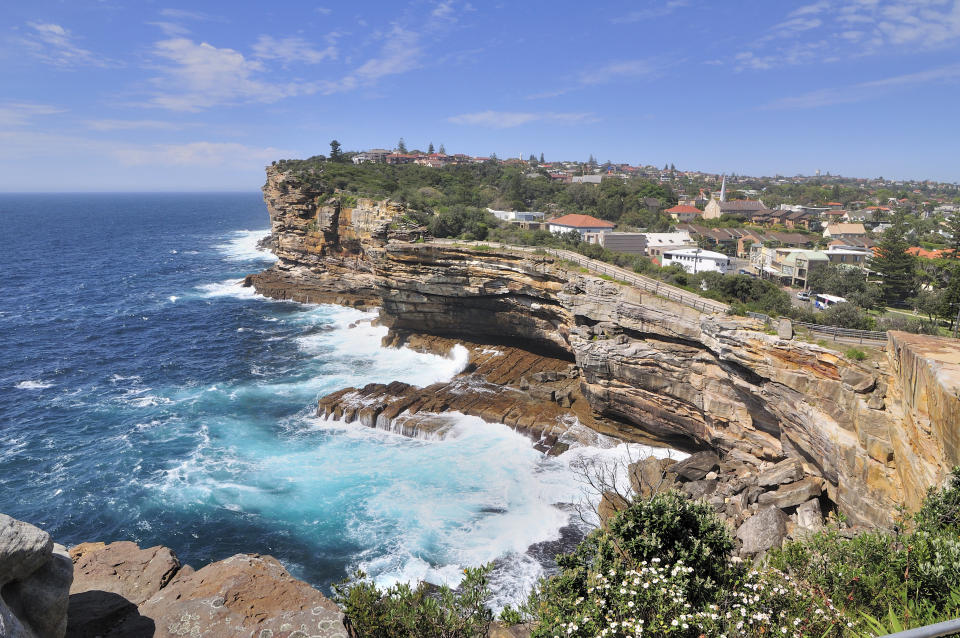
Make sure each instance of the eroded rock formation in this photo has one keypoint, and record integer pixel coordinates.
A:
(35, 576)
(877, 433)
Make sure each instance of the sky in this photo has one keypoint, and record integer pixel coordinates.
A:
(140, 95)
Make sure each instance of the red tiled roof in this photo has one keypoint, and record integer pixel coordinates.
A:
(581, 221)
(683, 208)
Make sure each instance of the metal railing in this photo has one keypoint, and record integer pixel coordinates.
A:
(648, 284)
(844, 333)
(946, 628)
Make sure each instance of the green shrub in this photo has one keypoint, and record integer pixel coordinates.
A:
(856, 354)
(402, 611)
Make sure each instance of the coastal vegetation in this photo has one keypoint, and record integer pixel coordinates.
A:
(664, 566)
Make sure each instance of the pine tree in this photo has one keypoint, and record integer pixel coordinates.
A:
(336, 155)
(541, 158)
(401, 146)
(953, 224)
(895, 265)
(443, 151)
(430, 148)
(533, 159)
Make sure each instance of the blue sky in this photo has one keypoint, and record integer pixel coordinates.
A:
(124, 95)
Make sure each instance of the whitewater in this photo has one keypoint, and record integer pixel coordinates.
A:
(147, 396)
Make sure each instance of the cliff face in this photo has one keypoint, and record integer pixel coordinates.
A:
(878, 434)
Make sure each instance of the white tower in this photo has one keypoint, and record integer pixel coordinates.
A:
(723, 189)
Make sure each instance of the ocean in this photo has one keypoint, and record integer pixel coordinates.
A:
(146, 396)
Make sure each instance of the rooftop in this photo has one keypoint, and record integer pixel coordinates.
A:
(580, 221)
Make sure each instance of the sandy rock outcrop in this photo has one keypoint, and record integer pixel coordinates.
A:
(35, 576)
(122, 591)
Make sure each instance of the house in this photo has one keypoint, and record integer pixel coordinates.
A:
(788, 266)
(657, 243)
(844, 231)
(695, 260)
(740, 207)
(580, 223)
(631, 243)
(684, 213)
(586, 179)
(800, 219)
(374, 155)
(516, 215)
(849, 256)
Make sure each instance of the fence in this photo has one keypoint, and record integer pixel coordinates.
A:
(947, 628)
(849, 334)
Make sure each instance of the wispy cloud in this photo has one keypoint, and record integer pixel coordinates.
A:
(831, 31)
(14, 114)
(292, 50)
(198, 76)
(510, 119)
(55, 45)
(400, 53)
(199, 154)
(655, 10)
(866, 90)
(612, 72)
(132, 125)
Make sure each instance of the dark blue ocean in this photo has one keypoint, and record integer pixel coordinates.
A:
(146, 396)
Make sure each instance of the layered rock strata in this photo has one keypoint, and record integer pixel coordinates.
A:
(645, 363)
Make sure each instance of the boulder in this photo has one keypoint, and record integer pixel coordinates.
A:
(785, 329)
(246, 594)
(650, 476)
(699, 489)
(501, 630)
(696, 466)
(611, 503)
(762, 531)
(809, 515)
(793, 494)
(35, 577)
(785, 471)
(860, 381)
(122, 568)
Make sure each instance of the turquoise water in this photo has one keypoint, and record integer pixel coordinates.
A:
(146, 396)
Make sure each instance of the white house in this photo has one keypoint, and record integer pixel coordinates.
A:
(695, 260)
(516, 215)
(581, 223)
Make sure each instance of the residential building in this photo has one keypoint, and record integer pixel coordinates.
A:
(684, 213)
(788, 266)
(631, 243)
(847, 256)
(586, 179)
(742, 207)
(695, 260)
(657, 243)
(844, 231)
(580, 223)
(516, 215)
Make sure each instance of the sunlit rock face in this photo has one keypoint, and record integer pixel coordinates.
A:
(879, 433)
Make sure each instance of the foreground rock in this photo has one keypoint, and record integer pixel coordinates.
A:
(35, 576)
(123, 591)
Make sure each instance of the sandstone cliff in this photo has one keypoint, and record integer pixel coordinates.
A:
(877, 434)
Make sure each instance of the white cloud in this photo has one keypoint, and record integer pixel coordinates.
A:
(171, 29)
(866, 90)
(618, 70)
(199, 154)
(291, 50)
(131, 125)
(55, 45)
(508, 119)
(20, 113)
(857, 28)
(657, 10)
(200, 76)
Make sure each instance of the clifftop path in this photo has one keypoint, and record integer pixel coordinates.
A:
(878, 434)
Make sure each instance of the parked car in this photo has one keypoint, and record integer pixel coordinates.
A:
(803, 296)
(743, 271)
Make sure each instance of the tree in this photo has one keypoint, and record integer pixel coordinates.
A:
(592, 161)
(443, 151)
(953, 224)
(541, 158)
(335, 154)
(532, 160)
(430, 148)
(895, 265)
(401, 146)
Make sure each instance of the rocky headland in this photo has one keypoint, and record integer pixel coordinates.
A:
(862, 437)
